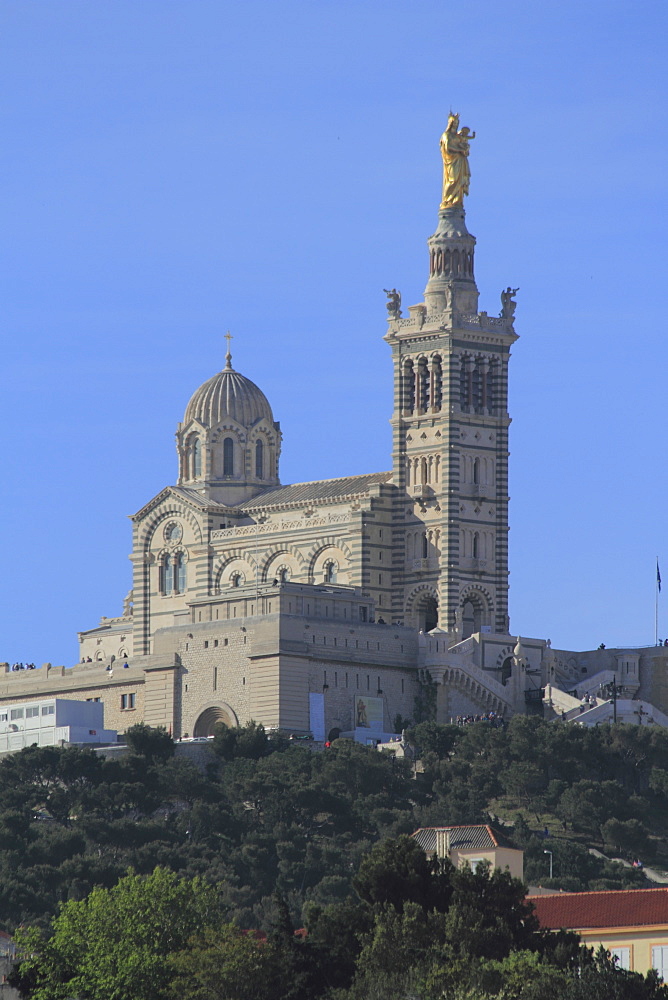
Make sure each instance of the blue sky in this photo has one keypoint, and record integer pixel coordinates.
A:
(173, 168)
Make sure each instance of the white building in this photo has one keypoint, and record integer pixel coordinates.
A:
(52, 722)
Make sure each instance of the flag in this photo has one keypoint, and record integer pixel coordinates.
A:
(658, 577)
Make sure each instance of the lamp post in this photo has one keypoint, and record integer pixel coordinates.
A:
(551, 860)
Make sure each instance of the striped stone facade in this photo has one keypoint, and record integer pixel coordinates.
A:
(249, 597)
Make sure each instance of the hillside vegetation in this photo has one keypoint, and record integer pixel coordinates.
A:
(272, 817)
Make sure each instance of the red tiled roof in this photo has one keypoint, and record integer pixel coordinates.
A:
(611, 908)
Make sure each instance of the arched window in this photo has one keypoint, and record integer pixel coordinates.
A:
(476, 545)
(228, 457)
(422, 386)
(408, 388)
(476, 471)
(436, 383)
(167, 575)
(197, 458)
(468, 620)
(259, 460)
(330, 572)
(425, 547)
(283, 574)
(236, 579)
(180, 573)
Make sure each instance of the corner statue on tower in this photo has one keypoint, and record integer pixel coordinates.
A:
(455, 153)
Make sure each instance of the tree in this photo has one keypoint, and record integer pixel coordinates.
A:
(398, 871)
(113, 945)
(431, 737)
(152, 744)
(251, 741)
(226, 964)
(626, 835)
(489, 916)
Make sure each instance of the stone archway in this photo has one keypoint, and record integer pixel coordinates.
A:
(427, 612)
(210, 718)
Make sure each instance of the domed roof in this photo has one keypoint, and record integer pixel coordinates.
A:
(228, 395)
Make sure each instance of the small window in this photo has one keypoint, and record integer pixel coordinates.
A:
(127, 701)
(228, 457)
(197, 457)
(31, 713)
(51, 709)
(660, 960)
(259, 460)
(16, 713)
(167, 575)
(3, 716)
(623, 956)
(206, 643)
(215, 643)
(225, 642)
(180, 573)
(363, 614)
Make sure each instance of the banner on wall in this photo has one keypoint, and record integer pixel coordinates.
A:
(317, 716)
(369, 713)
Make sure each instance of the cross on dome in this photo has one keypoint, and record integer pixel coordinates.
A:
(228, 356)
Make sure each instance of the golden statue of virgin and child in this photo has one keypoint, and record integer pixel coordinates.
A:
(455, 153)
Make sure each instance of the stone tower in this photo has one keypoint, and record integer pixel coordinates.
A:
(450, 444)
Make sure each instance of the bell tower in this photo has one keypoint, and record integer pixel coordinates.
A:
(450, 430)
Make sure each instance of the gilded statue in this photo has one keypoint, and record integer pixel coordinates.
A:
(455, 153)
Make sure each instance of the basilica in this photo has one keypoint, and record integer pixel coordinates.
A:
(343, 605)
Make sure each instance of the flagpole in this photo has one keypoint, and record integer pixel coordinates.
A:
(656, 603)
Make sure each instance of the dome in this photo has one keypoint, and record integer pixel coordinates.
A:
(228, 395)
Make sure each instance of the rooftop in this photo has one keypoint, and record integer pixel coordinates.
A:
(321, 489)
(610, 908)
(461, 838)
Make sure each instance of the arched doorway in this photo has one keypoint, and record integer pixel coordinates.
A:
(210, 718)
(427, 612)
(506, 669)
(474, 613)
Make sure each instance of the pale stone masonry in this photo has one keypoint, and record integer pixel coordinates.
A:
(288, 604)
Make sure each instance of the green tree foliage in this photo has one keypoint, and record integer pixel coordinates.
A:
(151, 744)
(114, 944)
(242, 741)
(269, 816)
(224, 964)
(397, 872)
(162, 937)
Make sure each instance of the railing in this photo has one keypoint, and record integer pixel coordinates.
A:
(250, 530)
